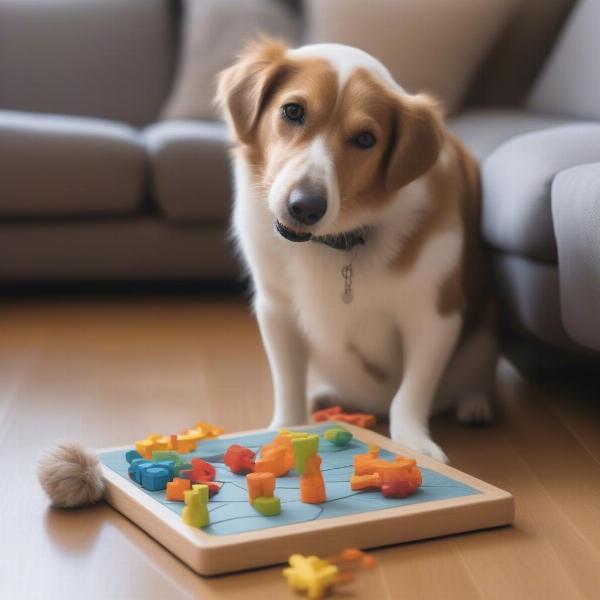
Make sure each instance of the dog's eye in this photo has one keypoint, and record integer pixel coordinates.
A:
(364, 140)
(293, 112)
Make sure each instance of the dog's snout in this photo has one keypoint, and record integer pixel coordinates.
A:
(307, 206)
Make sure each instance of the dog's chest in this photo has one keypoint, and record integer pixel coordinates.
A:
(342, 306)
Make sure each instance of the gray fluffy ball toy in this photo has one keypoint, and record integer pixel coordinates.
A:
(71, 476)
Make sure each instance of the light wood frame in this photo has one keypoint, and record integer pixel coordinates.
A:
(210, 554)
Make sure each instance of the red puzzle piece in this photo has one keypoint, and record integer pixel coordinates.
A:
(239, 459)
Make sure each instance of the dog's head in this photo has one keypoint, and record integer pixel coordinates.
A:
(328, 134)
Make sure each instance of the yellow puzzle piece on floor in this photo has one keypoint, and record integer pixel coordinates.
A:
(310, 574)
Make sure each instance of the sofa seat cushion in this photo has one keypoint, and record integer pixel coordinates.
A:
(517, 187)
(483, 130)
(191, 180)
(140, 248)
(68, 166)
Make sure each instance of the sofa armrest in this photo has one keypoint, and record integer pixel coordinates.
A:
(576, 212)
(517, 179)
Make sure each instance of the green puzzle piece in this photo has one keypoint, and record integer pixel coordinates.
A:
(304, 448)
(160, 455)
(195, 512)
(338, 436)
(267, 506)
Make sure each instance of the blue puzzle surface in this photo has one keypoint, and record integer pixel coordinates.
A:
(230, 511)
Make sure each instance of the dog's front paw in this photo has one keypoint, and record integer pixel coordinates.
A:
(418, 440)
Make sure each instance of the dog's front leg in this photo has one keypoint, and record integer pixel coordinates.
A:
(286, 352)
(428, 345)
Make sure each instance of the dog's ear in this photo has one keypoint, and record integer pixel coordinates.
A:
(416, 140)
(244, 88)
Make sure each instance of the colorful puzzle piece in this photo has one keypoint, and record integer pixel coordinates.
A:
(308, 464)
(396, 478)
(304, 447)
(267, 506)
(239, 459)
(154, 441)
(273, 460)
(132, 455)
(278, 456)
(310, 574)
(182, 443)
(260, 484)
(151, 475)
(195, 512)
(338, 436)
(337, 413)
(202, 430)
(316, 576)
(176, 488)
(201, 471)
(261, 487)
(213, 487)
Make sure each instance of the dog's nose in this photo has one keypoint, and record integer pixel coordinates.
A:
(307, 206)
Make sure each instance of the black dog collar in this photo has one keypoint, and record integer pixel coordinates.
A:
(342, 241)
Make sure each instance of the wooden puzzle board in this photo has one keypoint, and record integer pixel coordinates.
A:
(239, 538)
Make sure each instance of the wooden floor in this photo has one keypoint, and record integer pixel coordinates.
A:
(108, 371)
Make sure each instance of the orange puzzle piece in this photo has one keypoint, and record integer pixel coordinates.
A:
(274, 460)
(337, 413)
(177, 487)
(260, 484)
(312, 485)
(282, 462)
(396, 478)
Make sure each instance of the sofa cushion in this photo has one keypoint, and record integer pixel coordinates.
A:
(191, 178)
(141, 248)
(505, 78)
(430, 46)
(214, 31)
(112, 59)
(570, 83)
(55, 166)
(483, 130)
(576, 212)
(516, 185)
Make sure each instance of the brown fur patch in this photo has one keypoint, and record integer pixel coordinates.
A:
(451, 296)
(376, 372)
(475, 277)
(455, 196)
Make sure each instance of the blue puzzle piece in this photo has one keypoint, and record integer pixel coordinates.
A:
(155, 478)
(150, 475)
(132, 455)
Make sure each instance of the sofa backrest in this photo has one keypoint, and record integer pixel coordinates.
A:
(569, 84)
(111, 59)
(505, 77)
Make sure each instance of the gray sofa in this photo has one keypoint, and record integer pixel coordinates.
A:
(107, 192)
(91, 186)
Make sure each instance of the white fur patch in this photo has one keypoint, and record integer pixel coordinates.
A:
(345, 60)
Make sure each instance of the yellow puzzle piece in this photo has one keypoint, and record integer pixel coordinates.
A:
(310, 574)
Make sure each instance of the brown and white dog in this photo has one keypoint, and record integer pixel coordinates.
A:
(385, 306)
